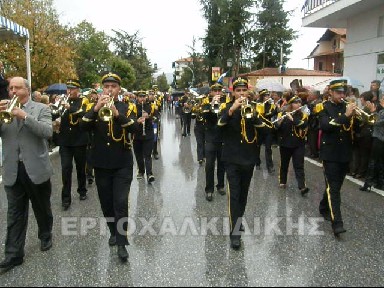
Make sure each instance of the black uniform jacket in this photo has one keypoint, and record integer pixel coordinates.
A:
(71, 134)
(293, 134)
(336, 139)
(236, 149)
(111, 148)
(153, 113)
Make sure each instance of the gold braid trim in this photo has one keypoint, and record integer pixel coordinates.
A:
(244, 132)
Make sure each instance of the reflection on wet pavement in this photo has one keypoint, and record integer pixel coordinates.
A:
(280, 251)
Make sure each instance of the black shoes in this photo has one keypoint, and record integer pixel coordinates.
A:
(9, 264)
(338, 229)
(151, 179)
(235, 243)
(66, 206)
(221, 191)
(366, 188)
(156, 156)
(46, 245)
(209, 197)
(201, 162)
(242, 228)
(90, 181)
(112, 241)
(122, 253)
(304, 191)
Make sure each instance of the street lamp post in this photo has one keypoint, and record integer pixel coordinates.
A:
(193, 76)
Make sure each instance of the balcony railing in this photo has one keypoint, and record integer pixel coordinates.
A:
(312, 6)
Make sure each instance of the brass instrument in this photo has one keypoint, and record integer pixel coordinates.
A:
(6, 117)
(260, 107)
(106, 113)
(369, 118)
(247, 110)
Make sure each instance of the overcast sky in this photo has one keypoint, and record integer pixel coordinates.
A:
(168, 26)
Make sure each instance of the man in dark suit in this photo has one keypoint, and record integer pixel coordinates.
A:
(3, 83)
(27, 172)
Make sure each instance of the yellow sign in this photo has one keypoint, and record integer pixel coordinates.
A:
(216, 73)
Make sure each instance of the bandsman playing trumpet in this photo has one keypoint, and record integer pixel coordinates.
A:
(27, 170)
(336, 122)
(214, 141)
(111, 121)
(292, 128)
(239, 154)
(73, 143)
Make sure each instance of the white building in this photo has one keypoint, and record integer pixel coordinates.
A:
(364, 21)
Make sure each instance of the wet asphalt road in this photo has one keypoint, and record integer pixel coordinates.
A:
(275, 253)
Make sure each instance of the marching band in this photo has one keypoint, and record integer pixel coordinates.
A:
(99, 132)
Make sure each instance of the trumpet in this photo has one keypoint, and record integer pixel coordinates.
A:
(106, 113)
(6, 117)
(303, 109)
(361, 113)
(247, 110)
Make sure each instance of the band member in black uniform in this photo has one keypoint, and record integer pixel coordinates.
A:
(156, 123)
(186, 114)
(292, 128)
(214, 142)
(336, 122)
(111, 121)
(73, 143)
(144, 137)
(239, 155)
(313, 124)
(266, 134)
(199, 129)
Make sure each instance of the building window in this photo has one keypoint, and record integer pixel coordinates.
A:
(321, 66)
(381, 27)
(380, 59)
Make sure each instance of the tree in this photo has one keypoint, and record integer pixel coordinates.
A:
(125, 70)
(93, 56)
(130, 48)
(272, 34)
(51, 52)
(162, 83)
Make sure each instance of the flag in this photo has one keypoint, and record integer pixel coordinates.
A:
(221, 78)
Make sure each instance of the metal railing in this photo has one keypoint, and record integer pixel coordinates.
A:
(312, 6)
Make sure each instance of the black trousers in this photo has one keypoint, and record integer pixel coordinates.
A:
(375, 172)
(143, 153)
(297, 155)
(187, 120)
(67, 155)
(239, 180)
(334, 178)
(200, 139)
(313, 142)
(156, 139)
(113, 187)
(361, 155)
(89, 167)
(213, 153)
(266, 138)
(18, 197)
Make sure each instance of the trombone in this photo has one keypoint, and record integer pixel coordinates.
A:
(106, 113)
(6, 117)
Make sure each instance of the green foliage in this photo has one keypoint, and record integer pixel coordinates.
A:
(125, 70)
(92, 53)
(162, 83)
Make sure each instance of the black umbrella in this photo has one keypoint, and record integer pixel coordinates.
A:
(56, 89)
